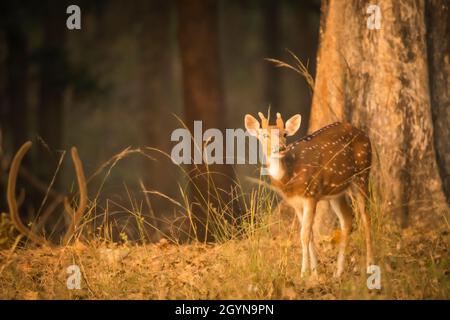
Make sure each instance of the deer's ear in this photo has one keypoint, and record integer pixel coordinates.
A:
(251, 124)
(293, 124)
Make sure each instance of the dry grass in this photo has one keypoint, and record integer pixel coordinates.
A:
(264, 265)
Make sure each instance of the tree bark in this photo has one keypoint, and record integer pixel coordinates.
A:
(378, 80)
(203, 97)
(438, 37)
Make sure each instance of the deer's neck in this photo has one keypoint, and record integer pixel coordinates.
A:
(276, 166)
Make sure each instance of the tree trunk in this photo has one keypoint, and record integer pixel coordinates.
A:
(156, 91)
(203, 97)
(378, 80)
(438, 36)
(17, 76)
(53, 74)
(272, 33)
(14, 110)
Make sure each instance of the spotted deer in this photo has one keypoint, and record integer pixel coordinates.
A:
(321, 166)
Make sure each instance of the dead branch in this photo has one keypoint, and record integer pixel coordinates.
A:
(39, 185)
(11, 197)
(47, 212)
(82, 202)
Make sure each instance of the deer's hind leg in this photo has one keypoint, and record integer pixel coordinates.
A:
(363, 156)
(361, 196)
(345, 215)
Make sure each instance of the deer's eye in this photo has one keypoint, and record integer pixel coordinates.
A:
(285, 135)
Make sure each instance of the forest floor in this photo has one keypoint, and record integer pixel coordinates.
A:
(415, 264)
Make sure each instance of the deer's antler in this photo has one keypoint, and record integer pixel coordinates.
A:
(280, 123)
(11, 196)
(82, 202)
(264, 121)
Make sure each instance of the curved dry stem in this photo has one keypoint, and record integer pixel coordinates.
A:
(82, 202)
(47, 213)
(11, 196)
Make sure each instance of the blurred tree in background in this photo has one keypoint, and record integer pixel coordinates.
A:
(53, 81)
(15, 118)
(155, 53)
(203, 98)
(120, 80)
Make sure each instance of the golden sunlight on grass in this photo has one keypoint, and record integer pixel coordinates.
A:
(265, 265)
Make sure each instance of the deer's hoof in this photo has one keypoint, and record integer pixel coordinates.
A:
(337, 274)
(314, 275)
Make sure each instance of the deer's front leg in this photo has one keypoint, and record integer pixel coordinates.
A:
(309, 209)
(312, 249)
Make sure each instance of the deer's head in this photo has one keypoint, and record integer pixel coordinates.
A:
(272, 137)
